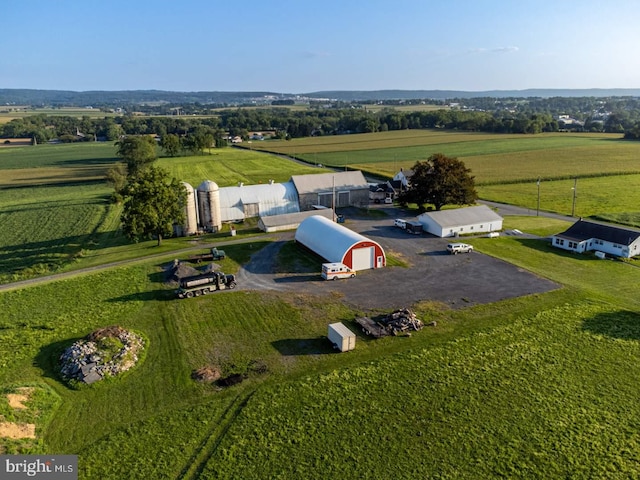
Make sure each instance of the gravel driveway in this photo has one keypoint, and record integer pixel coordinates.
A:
(456, 280)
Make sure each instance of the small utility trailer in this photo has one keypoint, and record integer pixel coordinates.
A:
(342, 338)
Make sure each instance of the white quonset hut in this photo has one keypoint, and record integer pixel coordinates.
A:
(246, 201)
(336, 243)
(461, 221)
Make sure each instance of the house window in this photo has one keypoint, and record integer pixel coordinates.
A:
(471, 227)
(559, 241)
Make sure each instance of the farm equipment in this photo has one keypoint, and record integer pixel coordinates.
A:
(204, 284)
(214, 254)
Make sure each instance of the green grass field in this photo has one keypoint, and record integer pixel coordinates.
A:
(543, 386)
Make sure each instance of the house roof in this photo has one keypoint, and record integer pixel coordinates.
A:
(585, 230)
(324, 182)
(463, 216)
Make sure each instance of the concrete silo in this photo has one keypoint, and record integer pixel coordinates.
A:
(191, 211)
(209, 206)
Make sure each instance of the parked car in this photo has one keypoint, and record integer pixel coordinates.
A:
(455, 248)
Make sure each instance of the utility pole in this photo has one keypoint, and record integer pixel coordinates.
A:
(538, 209)
(575, 190)
(333, 197)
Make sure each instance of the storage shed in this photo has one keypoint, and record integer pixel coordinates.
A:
(336, 243)
(351, 189)
(461, 221)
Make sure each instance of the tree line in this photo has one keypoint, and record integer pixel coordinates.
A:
(290, 123)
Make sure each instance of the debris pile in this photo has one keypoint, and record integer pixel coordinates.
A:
(105, 352)
(177, 270)
(206, 374)
(395, 323)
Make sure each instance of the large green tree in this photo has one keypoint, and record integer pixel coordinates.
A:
(171, 144)
(137, 152)
(439, 181)
(153, 203)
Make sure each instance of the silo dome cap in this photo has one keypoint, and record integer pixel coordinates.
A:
(208, 186)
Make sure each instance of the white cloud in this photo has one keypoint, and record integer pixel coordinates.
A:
(493, 50)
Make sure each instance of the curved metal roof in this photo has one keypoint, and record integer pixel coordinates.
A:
(272, 199)
(328, 239)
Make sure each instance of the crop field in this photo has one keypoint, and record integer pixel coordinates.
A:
(554, 155)
(55, 211)
(542, 385)
(7, 116)
(229, 166)
(506, 167)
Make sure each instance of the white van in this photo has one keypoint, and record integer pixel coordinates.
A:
(334, 271)
(398, 222)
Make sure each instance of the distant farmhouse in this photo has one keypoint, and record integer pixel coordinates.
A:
(584, 236)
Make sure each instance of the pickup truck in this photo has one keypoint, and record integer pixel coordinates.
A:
(455, 248)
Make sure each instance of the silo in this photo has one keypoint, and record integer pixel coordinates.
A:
(190, 211)
(209, 206)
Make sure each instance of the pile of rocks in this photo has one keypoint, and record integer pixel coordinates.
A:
(90, 359)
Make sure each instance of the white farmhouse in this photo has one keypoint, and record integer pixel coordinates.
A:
(461, 221)
(584, 236)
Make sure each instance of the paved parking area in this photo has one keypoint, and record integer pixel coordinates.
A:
(456, 280)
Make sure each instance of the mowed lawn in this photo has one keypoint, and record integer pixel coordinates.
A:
(542, 386)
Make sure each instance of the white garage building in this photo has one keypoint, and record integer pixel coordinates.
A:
(336, 243)
(461, 221)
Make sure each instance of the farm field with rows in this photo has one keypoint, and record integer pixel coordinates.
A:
(506, 167)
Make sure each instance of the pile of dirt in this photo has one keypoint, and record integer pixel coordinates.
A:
(206, 374)
(177, 270)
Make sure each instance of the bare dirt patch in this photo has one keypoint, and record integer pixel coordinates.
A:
(17, 430)
(17, 400)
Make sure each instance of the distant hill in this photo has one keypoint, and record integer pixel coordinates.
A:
(138, 97)
(448, 94)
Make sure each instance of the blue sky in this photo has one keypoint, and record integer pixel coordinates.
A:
(303, 46)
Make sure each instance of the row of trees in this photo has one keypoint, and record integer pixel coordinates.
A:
(295, 123)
